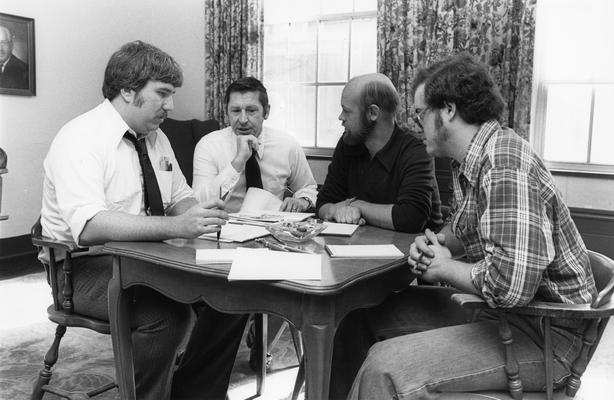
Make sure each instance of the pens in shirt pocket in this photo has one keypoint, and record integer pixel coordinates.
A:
(165, 164)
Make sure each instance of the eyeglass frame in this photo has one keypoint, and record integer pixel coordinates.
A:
(419, 117)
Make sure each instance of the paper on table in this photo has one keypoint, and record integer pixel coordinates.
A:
(335, 228)
(258, 199)
(364, 251)
(265, 217)
(256, 264)
(216, 256)
(237, 233)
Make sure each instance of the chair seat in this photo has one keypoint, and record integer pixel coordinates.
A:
(77, 320)
(503, 395)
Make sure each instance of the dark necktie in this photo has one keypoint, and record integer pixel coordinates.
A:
(153, 198)
(252, 172)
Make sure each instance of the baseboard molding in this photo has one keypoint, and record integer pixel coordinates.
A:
(16, 246)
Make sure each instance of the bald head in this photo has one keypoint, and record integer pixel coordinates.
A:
(375, 89)
(6, 44)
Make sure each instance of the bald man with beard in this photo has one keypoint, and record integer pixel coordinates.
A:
(380, 174)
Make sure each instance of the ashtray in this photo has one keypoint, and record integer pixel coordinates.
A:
(295, 231)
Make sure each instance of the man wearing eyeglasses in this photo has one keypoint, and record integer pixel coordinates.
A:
(380, 174)
(519, 245)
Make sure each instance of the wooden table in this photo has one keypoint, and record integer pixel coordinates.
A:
(314, 307)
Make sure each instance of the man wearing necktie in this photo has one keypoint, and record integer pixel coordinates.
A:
(109, 176)
(247, 154)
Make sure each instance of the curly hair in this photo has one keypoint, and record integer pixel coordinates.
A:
(136, 63)
(248, 84)
(466, 82)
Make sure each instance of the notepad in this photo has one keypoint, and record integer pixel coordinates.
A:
(335, 228)
(237, 233)
(364, 251)
(265, 264)
(215, 256)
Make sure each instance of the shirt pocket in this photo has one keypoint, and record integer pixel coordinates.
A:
(165, 181)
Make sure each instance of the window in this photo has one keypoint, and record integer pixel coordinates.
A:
(311, 49)
(574, 69)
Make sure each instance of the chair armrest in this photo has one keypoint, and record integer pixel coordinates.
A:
(65, 245)
(539, 308)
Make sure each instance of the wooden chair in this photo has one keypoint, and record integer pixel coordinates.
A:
(595, 316)
(62, 313)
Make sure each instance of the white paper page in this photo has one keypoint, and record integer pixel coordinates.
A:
(258, 200)
(237, 233)
(217, 256)
(364, 251)
(335, 228)
(214, 256)
(256, 264)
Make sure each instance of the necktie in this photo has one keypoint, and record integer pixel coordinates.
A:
(153, 198)
(252, 172)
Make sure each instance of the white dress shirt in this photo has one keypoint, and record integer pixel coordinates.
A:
(282, 165)
(90, 168)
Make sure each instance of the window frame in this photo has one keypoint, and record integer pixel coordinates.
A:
(538, 117)
(316, 152)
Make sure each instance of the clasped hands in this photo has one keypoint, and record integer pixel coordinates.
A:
(344, 212)
(428, 255)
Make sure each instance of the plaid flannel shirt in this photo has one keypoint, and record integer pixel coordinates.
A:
(514, 226)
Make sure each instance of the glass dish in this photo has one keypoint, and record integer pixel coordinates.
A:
(295, 231)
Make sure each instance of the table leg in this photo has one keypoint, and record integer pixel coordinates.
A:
(120, 333)
(318, 355)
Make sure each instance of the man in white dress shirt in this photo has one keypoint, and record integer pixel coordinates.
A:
(220, 157)
(97, 188)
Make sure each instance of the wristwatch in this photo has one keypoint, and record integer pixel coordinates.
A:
(309, 203)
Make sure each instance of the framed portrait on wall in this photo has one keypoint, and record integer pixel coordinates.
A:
(17, 64)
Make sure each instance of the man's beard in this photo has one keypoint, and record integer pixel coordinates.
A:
(356, 138)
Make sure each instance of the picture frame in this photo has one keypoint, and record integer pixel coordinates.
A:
(17, 56)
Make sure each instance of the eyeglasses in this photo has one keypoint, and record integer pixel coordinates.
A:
(419, 117)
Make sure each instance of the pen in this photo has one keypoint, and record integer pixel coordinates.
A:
(349, 201)
(221, 198)
(281, 247)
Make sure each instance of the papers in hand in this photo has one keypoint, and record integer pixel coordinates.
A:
(265, 264)
(237, 233)
(364, 251)
(258, 199)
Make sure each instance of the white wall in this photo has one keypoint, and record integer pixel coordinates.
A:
(74, 40)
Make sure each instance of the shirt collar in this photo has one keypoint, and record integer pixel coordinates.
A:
(117, 125)
(470, 166)
(387, 155)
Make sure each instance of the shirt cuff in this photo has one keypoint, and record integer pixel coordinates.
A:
(80, 218)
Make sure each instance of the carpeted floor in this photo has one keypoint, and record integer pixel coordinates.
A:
(86, 357)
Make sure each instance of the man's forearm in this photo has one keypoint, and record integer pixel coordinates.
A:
(452, 243)
(182, 206)
(375, 214)
(118, 226)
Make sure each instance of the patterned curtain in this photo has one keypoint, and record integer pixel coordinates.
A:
(500, 33)
(233, 49)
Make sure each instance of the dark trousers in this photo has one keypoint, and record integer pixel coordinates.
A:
(160, 328)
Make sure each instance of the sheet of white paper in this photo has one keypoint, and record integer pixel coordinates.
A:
(335, 228)
(217, 256)
(237, 233)
(214, 256)
(364, 251)
(256, 264)
(259, 199)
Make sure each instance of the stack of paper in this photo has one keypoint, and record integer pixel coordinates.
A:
(265, 264)
(364, 251)
(215, 256)
(237, 233)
